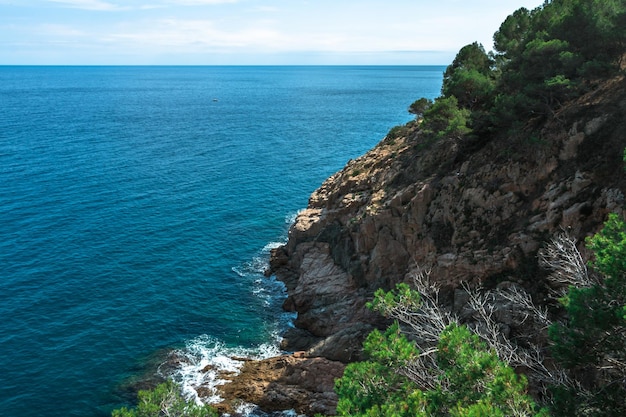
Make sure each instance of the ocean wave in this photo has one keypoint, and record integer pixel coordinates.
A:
(198, 367)
(273, 245)
(259, 263)
(291, 217)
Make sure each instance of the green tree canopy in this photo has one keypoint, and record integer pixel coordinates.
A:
(513, 32)
(444, 118)
(470, 77)
(459, 376)
(418, 107)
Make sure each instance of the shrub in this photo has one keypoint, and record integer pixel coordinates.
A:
(591, 343)
(445, 119)
(166, 400)
(460, 376)
(418, 107)
(397, 132)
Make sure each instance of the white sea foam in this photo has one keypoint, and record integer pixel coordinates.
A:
(271, 291)
(291, 217)
(198, 366)
(273, 245)
(258, 264)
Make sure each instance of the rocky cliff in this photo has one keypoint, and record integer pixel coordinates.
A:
(473, 210)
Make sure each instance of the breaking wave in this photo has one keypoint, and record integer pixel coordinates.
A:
(200, 366)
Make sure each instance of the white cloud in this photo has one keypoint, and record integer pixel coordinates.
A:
(265, 9)
(103, 5)
(199, 2)
(185, 30)
(59, 31)
(197, 33)
(96, 5)
(257, 36)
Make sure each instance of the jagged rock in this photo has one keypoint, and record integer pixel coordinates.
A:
(475, 214)
(282, 383)
(470, 211)
(343, 346)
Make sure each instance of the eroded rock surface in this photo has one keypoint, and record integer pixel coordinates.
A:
(474, 211)
(287, 382)
(471, 211)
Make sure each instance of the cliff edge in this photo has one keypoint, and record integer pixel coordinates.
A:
(468, 210)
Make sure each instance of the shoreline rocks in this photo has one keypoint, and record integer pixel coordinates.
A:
(474, 211)
(304, 384)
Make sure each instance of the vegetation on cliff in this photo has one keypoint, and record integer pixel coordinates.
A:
(448, 369)
(469, 380)
(543, 58)
(591, 343)
(165, 400)
(477, 210)
(430, 363)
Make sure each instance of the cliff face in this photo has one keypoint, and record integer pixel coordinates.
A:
(468, 210)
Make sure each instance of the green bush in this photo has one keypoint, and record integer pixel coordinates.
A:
(418, 107)
(166, 400)
(445, 119)
(591, 344)
(397, 132)
(470, 78)
(465, 378)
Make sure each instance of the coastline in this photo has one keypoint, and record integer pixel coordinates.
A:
(467, 214)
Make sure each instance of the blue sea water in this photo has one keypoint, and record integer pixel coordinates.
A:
(138, 206)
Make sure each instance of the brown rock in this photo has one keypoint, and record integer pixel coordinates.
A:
(471, 212)
(283, 383)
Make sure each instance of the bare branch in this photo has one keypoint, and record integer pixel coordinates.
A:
(424, 370)
(522, 300)
(561, 256)
(488, 329)
(425, 321)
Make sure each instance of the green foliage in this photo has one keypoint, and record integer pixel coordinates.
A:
(467, 380)
(592, 343)
(418, 107)
(550, 54)
(367, 387)
(404, 296)
(479, 380)
(470, 77)
(543, 58)
(594, 29)
(445, 119)
(397, 132)
(165, 400)
(509, 39)
(609, 248)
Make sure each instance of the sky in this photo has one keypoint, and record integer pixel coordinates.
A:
(246, 32)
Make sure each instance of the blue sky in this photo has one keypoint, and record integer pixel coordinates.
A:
(246, 32)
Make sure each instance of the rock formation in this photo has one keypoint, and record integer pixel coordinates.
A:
(471, 210)
(283, 383)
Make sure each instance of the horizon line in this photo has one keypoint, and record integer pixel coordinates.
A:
(224, 65)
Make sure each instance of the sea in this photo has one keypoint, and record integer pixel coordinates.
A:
(138, 206)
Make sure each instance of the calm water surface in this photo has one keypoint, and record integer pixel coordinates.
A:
(138, 206)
